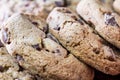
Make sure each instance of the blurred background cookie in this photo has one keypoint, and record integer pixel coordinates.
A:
(34, 7)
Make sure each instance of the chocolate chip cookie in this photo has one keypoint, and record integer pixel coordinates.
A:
(40, 53)
(82, 41)
(9, 68)
(103, 19)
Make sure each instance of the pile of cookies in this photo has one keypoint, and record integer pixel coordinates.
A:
(59, 40)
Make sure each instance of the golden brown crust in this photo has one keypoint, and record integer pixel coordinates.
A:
(39, 54)
(105, 21)
(80, 40)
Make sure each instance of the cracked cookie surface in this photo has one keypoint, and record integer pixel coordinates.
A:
(103, 19)
(40, 53)
(82, 41)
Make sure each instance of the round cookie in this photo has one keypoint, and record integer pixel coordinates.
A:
(103, 19)
(82, 41)
(39, 54)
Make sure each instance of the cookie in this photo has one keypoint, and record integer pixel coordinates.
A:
(9, 68)
(36, 7)
(82, 41)
(40, 53)
(116, 6)
(104, 20)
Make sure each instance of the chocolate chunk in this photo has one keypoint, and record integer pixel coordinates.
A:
(91, 24)
(74, 17)
(110, 19)
(68, 42)
(37, 47)
(47, 50)
(80, 21)
(52, 37)
(8, 42)
(1, 69)
(21, 68)
(67, 11)
(19, 57)
(96, 50)
(59, 4)
(64, 10)
(57, 51)
(67, 3)
(1, 45)
(35, 23)
(57, 28)
(45, 29)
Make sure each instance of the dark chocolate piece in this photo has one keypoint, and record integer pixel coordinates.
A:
(37, 47)
(110, 19)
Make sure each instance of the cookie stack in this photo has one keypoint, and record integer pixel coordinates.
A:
(59, 40)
